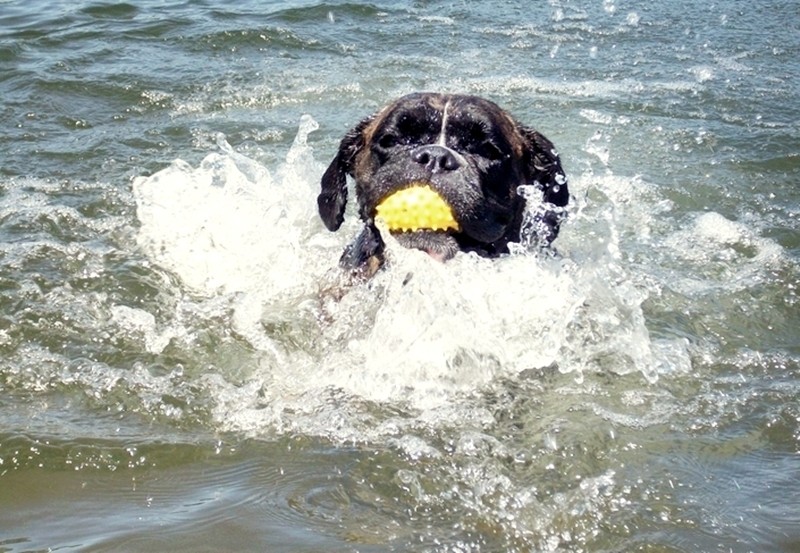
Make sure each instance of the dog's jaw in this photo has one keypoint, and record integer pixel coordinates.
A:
(419, 217)
(439, 245)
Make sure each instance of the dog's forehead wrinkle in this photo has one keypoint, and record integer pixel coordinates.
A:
(409, 119)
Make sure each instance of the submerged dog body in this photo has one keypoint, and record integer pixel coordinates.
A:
(453, 165)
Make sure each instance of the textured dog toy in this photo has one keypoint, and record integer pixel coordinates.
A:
(418, 207)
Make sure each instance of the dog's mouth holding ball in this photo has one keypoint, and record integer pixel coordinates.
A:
(418, 217)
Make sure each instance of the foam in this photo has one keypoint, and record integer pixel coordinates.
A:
(225, 227)
(418, 335)
(724, 254)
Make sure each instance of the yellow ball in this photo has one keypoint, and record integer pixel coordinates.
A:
(418, 207)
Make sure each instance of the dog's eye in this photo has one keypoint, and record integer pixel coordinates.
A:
(387, 141)
(490, 150)
(475, 138)
(486, 149)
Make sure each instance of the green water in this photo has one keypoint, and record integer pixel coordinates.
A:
(182, 369)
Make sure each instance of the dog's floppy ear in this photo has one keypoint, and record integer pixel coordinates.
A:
(545, 172)
(333, 198)
(544, 168)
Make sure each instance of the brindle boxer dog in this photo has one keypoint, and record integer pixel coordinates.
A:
(468, 155)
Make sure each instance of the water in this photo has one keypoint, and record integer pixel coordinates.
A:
(183, 369)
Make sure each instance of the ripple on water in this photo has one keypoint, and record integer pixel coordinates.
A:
(606, 396)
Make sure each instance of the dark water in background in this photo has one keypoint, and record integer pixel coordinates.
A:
(173, 376)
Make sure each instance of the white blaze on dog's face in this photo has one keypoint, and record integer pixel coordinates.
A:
(442, 140)
(435, 150)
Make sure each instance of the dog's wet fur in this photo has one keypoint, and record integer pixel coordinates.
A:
(468, 149)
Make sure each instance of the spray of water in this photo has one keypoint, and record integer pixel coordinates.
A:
(248, 242)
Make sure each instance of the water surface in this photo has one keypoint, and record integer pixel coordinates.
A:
(183, 369)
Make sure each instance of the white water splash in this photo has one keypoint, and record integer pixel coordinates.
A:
(419, 334)
(225, 227)
(725, 254)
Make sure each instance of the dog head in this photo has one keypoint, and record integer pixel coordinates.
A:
(443, 172)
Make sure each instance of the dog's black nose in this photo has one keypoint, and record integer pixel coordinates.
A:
(436, 158)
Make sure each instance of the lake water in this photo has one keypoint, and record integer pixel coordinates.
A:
(183, 369)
